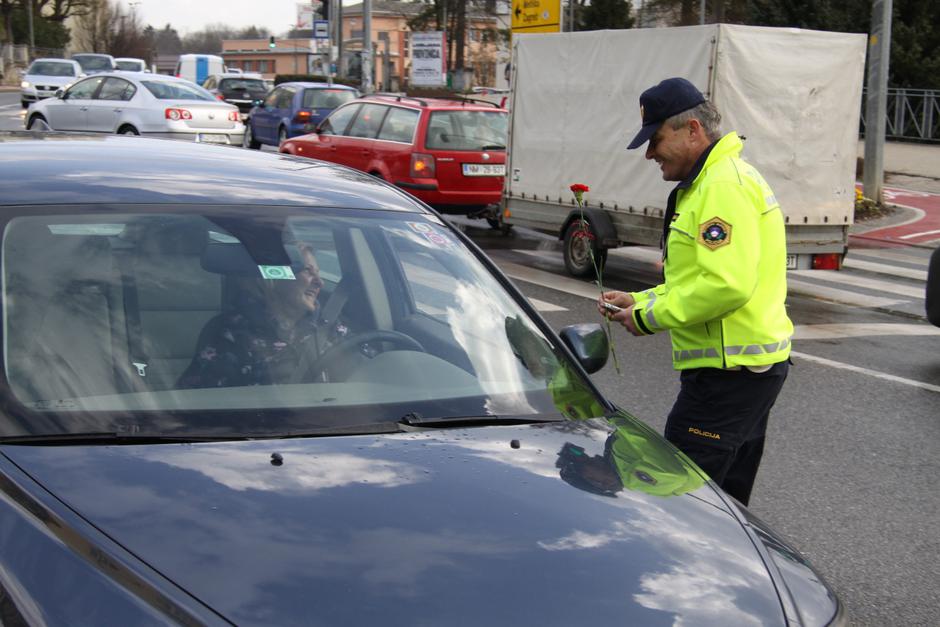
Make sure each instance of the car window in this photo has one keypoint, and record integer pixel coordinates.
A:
(84, 90)
(271, 99)
(242, 84)
(130, 66)
(116, 89)
(466, 130)
(94, 63)
(368, 121)
(165, 90)
(327, 98)
(285, 98)
(399, 125)
(339, 120)
(152, 321)
(51, 68)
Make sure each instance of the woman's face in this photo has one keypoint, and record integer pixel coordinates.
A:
(302, 293)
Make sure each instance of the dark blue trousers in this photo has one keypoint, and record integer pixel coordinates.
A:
(719, 420)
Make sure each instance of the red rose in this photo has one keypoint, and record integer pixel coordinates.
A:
(580, 187)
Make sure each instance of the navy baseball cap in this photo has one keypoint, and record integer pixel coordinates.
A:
(661, 102)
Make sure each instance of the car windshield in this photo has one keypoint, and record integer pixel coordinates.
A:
(130, 66)
(166, 90)
(327, 98)
(467, 130)
(263, 323)
(93, 63)
(242, 84)
(51, 68)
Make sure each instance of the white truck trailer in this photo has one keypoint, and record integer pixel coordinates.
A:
(794, 95)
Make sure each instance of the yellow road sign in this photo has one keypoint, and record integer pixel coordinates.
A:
(536, 16)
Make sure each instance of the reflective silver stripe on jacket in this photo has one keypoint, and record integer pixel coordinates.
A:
(749, 349)
(650, 318)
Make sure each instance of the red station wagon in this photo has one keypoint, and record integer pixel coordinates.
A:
(449, 153)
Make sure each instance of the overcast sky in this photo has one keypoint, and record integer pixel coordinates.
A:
(192, 15)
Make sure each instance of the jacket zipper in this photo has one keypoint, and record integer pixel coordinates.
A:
(721, 330)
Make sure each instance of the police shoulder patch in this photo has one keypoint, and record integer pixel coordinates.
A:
(714, 233)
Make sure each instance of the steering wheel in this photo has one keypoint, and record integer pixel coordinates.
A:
(352, 344)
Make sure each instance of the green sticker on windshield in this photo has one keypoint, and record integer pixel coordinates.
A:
(283, 273)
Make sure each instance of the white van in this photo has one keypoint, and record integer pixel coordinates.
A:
(198, 67)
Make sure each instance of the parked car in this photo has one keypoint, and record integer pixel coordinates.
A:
(447, 460)
(45, 76)
(130, 64)
(139, 104)
(242, 90)
(95, 63)
(451, 154)
(293, 109)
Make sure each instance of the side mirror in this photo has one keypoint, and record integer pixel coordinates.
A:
(589, 344)
(932, 300)
(60, 94)
(22, 73)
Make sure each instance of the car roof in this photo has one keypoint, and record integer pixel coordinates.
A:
(252, 75)
(90, 54)
(434, 103)
(71, 168)
(54, 60)
(129, 59)
(309, 84)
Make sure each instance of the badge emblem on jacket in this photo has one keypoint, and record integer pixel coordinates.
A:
(714, 233)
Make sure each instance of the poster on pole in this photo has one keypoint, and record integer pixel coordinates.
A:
(428, 58)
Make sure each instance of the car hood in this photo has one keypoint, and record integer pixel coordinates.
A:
(41, 79)
(435, 527)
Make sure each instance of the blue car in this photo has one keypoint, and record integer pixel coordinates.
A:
(293, 109)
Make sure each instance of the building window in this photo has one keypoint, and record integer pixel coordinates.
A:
(246, 65)
(263, 65)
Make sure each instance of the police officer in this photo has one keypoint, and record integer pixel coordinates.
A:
(722, 299)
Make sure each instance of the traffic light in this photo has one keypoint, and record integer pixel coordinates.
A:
(271, 42)
(325, 9)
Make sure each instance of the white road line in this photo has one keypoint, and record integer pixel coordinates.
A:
(921, 234)
(873, 266)
(842, 278)
(892, 254)
(836, 295)
(541, 305)
(861, 329)
(866, 371)
(550, 280)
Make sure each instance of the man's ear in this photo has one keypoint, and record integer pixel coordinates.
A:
(695, 128)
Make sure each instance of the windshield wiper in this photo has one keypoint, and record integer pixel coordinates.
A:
(493, 147)
(415, 419)
(112, 437)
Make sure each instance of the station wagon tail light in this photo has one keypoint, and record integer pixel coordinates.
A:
(827, 261)
(422, 166)
(219, 97)
(233, 116)
(302, 117)
(178, 114)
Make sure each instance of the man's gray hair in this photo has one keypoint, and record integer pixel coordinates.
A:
(706, 113)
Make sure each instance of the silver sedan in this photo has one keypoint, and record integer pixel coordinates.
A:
(146, 104)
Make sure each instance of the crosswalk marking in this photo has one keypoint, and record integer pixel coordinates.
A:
(541, 305)
(872, 266)
(866, 371)
(861, 329)
(839, 296)
(843, 278)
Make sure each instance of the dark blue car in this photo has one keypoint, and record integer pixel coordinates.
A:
(244, 388)
(293, 109)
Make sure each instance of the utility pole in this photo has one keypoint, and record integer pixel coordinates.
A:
(340, 68)
(29, 18)
(367, 46)
(876, 101)
(701, 12)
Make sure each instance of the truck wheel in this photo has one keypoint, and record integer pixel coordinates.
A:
(580, 241)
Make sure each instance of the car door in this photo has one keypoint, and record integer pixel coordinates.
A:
(331, 136)
(394, 145)
(107, 109)
(263, 118)
(70, 113)
(356, 147)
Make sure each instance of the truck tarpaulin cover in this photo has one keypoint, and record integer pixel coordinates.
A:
(794, 94)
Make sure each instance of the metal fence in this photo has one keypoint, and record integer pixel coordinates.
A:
(912, 114)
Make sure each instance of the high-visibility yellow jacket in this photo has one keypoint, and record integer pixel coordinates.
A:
(722, 300)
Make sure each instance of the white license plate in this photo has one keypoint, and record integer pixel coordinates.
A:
(791, 262)
(211, 138)
(484, 169)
